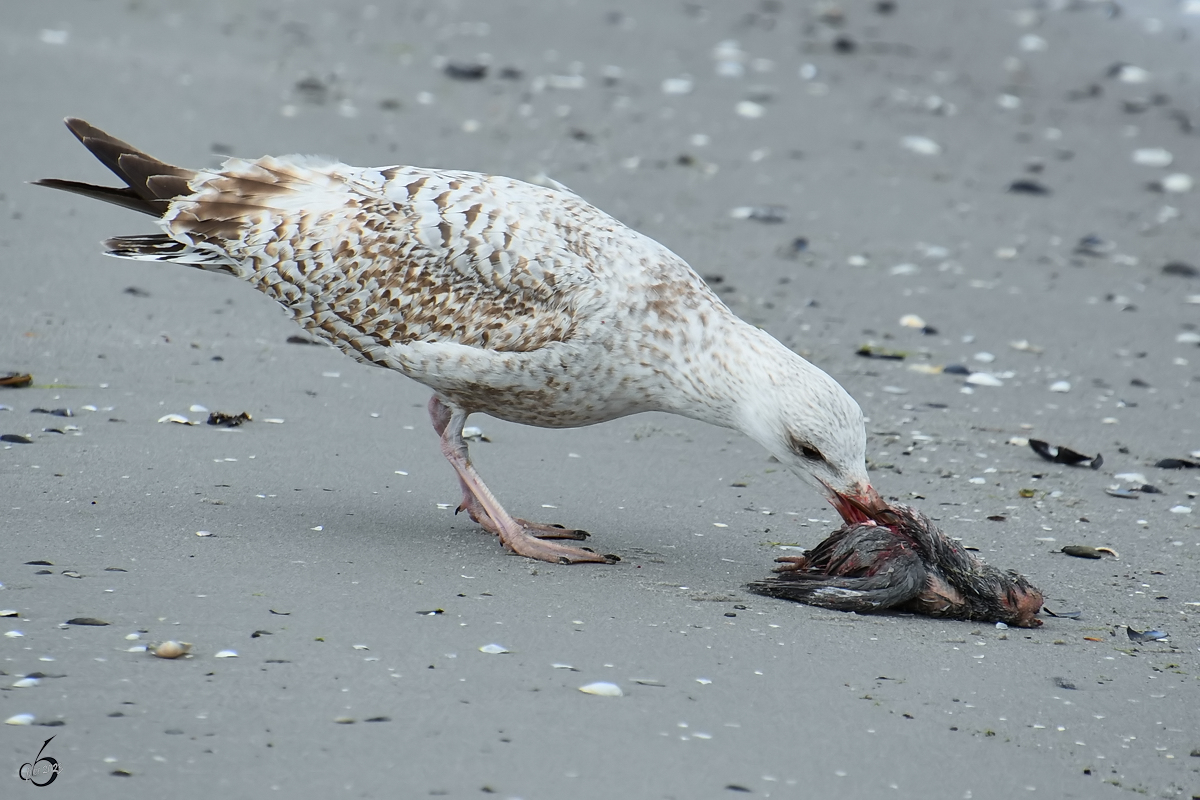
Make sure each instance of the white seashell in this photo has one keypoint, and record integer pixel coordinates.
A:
(1177, 182)
(13, 634)
(19, 719)
(170, 649)
(25, 683)
(1181, 509)
(198, 409)
(564, 666)
(8, 612)
(912, 321)
(704, 681)
(226, 654)
(984, 379)
(978, 480)
(566, 81)
(493, 649)
(204, 533)
(1152, 157)
(985, 357)
(921, 145)
(1188, 337)
(1031, 43)
(360, 647)
(602, 688)
(1131, 74)
(1060, 386)
(750, 109)
(904, 269)
(1131, 477)
(677, 85)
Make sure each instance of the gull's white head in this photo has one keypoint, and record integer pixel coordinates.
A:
(810, 423)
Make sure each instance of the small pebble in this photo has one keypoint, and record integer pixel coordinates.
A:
(170, 649)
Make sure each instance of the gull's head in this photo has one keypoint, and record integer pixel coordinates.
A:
(810, 423)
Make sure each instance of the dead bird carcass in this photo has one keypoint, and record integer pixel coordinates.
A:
(898, 560)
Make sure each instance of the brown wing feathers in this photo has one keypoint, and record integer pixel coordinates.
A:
(150, 184)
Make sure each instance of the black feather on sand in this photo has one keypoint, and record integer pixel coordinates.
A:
(901, 562)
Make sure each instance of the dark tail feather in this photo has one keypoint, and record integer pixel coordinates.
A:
(864, 595)
(150, 184)
(126, 198)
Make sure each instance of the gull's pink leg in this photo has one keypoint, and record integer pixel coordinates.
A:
(521, 537)
(440, 413)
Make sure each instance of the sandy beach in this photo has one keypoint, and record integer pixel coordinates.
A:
(995, 202)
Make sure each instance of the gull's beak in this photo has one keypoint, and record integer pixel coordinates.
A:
(861, 505)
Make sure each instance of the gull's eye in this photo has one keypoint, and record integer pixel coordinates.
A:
(804, 449)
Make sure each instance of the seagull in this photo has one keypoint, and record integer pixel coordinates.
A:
(506, 298)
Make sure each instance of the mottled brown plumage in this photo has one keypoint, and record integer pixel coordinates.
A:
(515, 300)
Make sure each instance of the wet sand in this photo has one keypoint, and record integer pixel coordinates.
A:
(332, 533)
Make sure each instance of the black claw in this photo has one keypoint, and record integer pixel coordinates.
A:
(612, 559)
(564, 560)
(460, 508)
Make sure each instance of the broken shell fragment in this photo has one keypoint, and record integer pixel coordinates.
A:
(1081, 551)
(170, 649)
(1145, 636)
(1064, 455)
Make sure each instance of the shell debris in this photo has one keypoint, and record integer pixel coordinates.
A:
(494, 649)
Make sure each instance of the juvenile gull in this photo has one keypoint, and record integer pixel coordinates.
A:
(519, 301)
